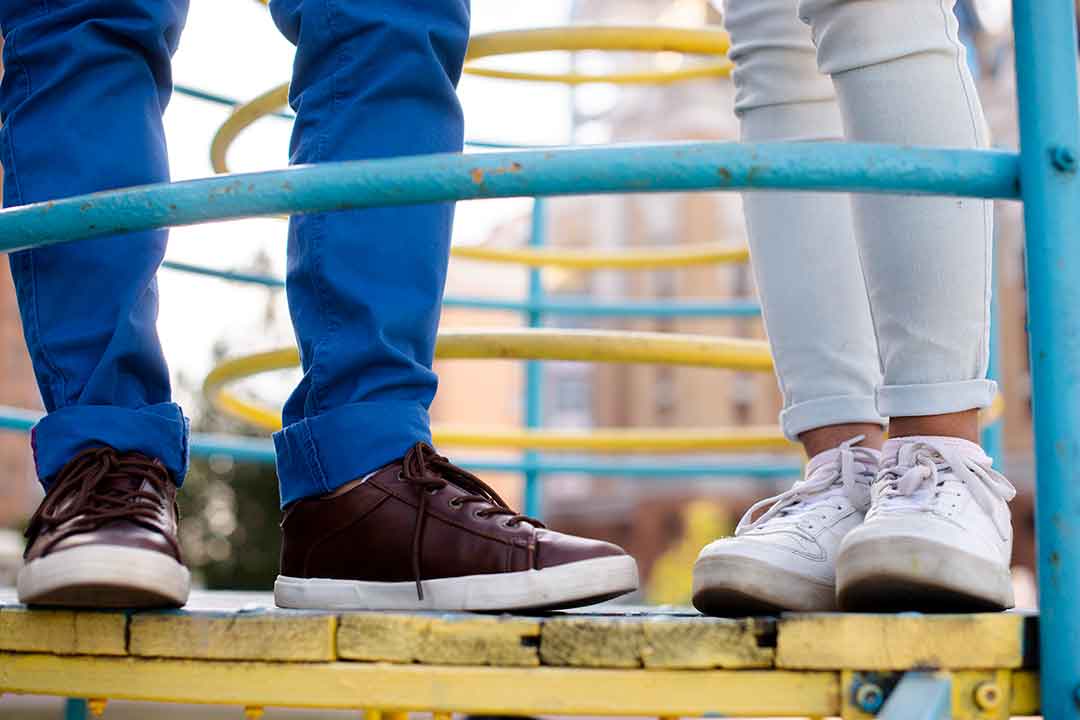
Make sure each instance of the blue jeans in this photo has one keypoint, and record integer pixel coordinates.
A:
(85, 85)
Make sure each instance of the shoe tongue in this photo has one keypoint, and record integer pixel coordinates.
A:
(890, 453)
(833, 456)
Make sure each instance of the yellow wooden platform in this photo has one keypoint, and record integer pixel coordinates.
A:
(236, 649)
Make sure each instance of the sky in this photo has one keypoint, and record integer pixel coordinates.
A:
(232, 48)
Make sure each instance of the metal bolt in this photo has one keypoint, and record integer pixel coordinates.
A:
(987, 696)
(1063, 159)
(869, 698)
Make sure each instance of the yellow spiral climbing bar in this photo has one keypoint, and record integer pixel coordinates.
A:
(531, 344)
(618, 440)
(707, 41)
(622, 259)
(685, 41)
(571, 345)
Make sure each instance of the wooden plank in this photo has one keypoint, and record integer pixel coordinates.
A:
(667, 642)
(62, 632)
(439, 639)
(431, 688)
(834, 641)
(281, 635)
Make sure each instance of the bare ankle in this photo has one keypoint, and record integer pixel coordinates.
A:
(961, 425)
(825, 438)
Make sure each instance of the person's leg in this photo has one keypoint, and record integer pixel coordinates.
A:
(84, 87)
(370, 509)
(817, 316)
(371, 80)
(805, 258)
(901, 77)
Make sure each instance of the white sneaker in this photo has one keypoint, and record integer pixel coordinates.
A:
(784, 560)
(938, 536)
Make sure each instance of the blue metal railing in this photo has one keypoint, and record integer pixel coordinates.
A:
(1046, 78)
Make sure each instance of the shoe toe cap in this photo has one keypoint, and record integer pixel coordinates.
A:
(555, 548)
(119, 533)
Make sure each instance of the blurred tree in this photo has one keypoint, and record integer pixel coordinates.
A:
(229, 528)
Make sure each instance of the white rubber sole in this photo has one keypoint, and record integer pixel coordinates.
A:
(737, 586)
(570, 585)
(906, 573)
(104, 576)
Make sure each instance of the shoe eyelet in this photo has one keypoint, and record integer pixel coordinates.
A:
(479, 515)
(455, 503)
(509, 524)
(432, 491)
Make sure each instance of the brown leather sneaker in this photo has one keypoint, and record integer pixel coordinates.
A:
(424, 534)
(105, 536)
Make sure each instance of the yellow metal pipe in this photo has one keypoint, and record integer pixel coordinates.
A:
(696, 41)
(533, 344)
(623, 259)
(644, 77)
(242, 117)
(426, 688)
(620, 440)
(628, 38)
(605, 346)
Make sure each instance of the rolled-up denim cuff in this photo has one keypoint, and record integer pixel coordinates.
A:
(822, 412)
(321, 453)
(159, 431)
(935, 398)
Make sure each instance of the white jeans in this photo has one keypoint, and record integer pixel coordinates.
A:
(875, 305)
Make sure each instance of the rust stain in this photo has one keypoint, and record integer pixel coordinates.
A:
(725, 174)
(478, 174)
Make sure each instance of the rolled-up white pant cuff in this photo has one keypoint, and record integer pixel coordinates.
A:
(837, 410)
(935, 398)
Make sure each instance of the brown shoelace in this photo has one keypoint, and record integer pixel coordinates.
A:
(81, 493)
(431, 472)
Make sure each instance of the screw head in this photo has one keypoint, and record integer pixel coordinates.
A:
(1064, 159)
(96, 706)
(869, 698)
(987, 696)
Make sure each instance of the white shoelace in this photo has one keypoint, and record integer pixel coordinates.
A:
(829, 474)
(912, 480)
